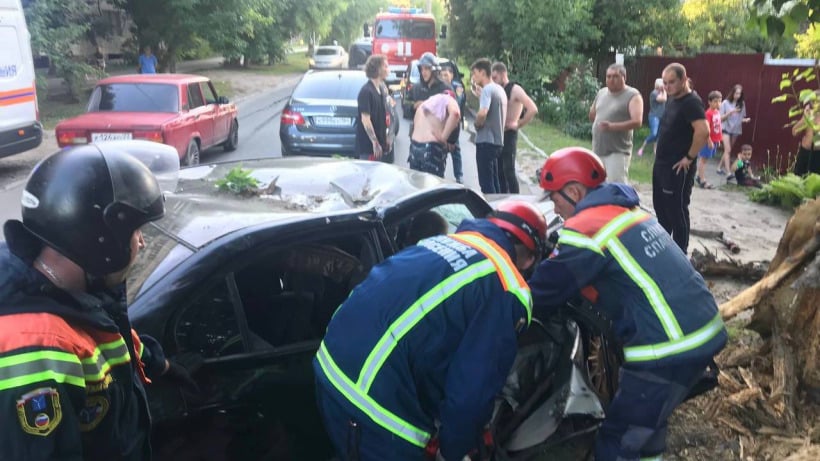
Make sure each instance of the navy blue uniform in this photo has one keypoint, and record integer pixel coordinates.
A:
(425, 341)
(71, 375)
(662, 311)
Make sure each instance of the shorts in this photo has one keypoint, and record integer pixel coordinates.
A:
(708, 152)
(429, 157)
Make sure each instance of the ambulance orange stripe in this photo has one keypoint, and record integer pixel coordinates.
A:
(18, 92)
(17, 100)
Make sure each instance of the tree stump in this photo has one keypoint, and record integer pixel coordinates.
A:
(786, 305)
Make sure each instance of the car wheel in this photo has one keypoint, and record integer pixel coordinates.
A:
(233, 138)
(192, 154)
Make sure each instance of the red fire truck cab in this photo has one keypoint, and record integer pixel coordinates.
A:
(403, 34)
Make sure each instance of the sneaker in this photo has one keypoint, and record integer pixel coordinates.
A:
(721, 171)
(460, 180)
(640, 152)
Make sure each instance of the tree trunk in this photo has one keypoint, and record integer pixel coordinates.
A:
(787, 310)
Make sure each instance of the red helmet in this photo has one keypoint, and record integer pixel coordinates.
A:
(524, 221)
(571, 164)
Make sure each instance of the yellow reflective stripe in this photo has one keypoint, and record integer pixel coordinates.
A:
(105, 356)
(648, 286)
(617, 225)
(507, 270)
(366, 404)
(578, 240)
(38, 366)
(666, 349)
(413, 315)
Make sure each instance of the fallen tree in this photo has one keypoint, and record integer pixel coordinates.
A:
(786, 303)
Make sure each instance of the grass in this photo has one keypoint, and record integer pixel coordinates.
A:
(53, 112)
(294, 63)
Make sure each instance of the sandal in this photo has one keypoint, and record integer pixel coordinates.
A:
(703, 184)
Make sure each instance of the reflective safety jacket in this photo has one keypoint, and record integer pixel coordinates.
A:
(69, 388)
(429, 336)
(661, 309)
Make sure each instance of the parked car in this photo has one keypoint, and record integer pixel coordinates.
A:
(241, 290)
(359, 51)
(413, 77)
(328, 57)
(320, 116)
(183, 111)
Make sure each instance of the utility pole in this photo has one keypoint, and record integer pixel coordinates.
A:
(429, 7)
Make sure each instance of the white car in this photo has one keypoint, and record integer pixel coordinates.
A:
(329, 57)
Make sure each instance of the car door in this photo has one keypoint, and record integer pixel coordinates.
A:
(255, 327)
(222, 113)
(202, 114)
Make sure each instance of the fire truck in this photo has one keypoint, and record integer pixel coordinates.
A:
(403, 34)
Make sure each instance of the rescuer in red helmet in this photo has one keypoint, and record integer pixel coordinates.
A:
(661, 310)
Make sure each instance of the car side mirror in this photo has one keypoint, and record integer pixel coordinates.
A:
(366, 29)
(222, 100)
(443, 34)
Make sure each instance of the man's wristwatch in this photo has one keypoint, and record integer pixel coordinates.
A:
(691, 159)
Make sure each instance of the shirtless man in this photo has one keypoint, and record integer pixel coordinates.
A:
(436, 118)
(520, 111)
(808, 157)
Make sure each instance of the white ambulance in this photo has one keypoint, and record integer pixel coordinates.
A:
(20, 128)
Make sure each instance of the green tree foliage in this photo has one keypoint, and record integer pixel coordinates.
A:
(347, 27)
(808, 44)
(168, 26)
(723, 26)
(628, 25)
(536, 38)
(776, 18)
(55, 26)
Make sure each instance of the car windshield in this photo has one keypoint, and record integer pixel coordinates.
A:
(405, 28)
(329, 86)
(326, 52)
(134, 97)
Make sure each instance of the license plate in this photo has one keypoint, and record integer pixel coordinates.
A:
(333, 121)
(97, 137)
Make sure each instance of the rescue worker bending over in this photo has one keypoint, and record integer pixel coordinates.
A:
(71, 368)
(427, 340)
(663, 313)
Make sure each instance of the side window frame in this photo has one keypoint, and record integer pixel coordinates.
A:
(208, 87)
(193, 93)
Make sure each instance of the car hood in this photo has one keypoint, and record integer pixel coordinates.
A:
(116, 120)
(288, 188)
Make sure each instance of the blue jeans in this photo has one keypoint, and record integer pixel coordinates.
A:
(486, 159)
(654, 123)
(635, 425)
(458, 170)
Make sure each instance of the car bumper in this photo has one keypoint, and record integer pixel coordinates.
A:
(20, 139)
(295, 142)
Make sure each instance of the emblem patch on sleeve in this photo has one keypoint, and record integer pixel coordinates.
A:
(95, 409)
(39, 411)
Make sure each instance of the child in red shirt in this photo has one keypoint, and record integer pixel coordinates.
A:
(708, 151)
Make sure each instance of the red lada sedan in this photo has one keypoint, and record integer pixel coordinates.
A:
(180, 110)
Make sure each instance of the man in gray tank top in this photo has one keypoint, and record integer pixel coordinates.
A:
(615, 113)
(489, 124)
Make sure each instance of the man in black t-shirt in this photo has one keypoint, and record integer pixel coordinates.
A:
(371, 121)
(683, 133)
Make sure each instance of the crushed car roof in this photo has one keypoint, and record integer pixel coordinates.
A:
(291, 188)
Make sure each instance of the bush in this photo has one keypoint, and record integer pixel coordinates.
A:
(569, 110)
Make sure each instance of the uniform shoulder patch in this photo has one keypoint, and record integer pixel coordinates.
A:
(95, 409)
(39, 411)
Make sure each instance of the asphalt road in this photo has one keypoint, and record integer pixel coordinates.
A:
(258, 138)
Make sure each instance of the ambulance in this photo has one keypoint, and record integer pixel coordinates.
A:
(20, 127)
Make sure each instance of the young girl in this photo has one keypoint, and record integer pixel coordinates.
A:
(733, 116)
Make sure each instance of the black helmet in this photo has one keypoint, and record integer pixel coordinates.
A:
(429, 59)
(87, 201)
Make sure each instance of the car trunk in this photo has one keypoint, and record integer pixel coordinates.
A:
(107, 126)
(327, 116)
